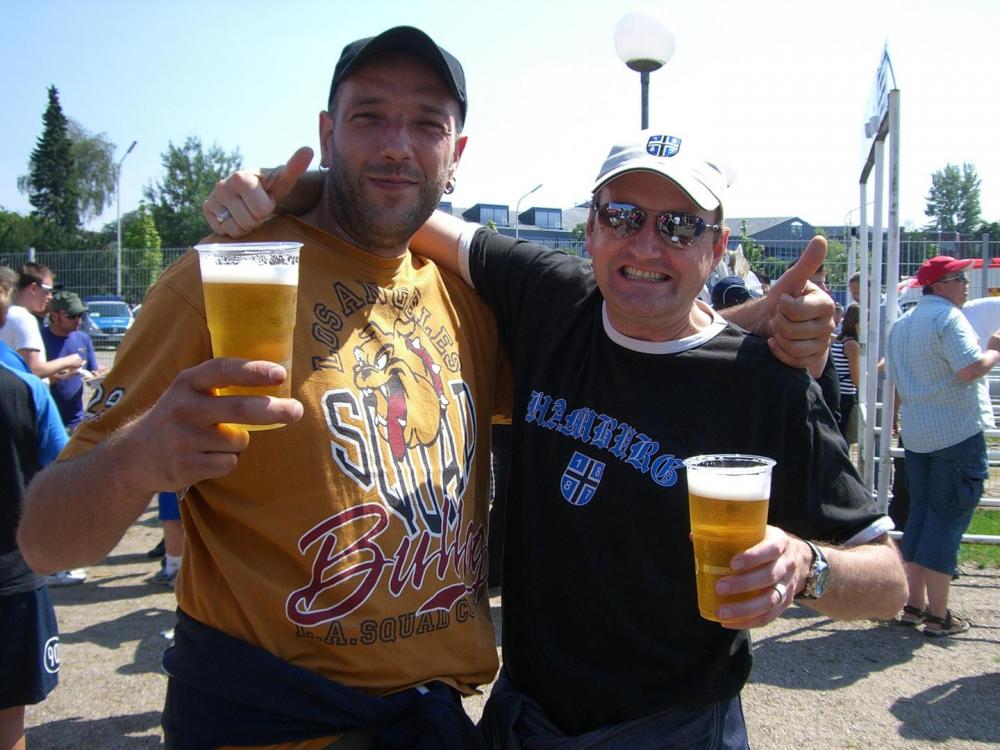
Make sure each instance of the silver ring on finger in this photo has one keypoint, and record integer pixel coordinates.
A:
(223, 215)
(781, 589)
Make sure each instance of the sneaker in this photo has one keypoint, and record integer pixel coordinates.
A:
(67, 578)
(157, 552)
(950, 624)
(163, 578)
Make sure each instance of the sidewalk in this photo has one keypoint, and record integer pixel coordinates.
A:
(816, 684)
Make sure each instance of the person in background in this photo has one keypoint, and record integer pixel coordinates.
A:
(31, 436)
(23, 329)
(169, 514)
(935, 361)
(9, 355)
(845, 354)
(63, 337)
(729, 292)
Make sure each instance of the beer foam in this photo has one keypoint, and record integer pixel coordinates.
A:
(729, 486)
(249, 274)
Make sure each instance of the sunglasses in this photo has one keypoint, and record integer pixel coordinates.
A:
(73, 317)
(46, 287)
(677, 229)
(957, 277)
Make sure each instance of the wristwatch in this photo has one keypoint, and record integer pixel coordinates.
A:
(819, 575)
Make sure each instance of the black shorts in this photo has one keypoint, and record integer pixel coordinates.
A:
(29, 648)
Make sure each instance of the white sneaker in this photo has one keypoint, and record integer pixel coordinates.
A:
(67, 577)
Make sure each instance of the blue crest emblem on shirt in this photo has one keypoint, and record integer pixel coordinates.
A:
(663, 145)
(580, 480)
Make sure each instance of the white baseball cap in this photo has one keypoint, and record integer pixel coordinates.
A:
(703, 181)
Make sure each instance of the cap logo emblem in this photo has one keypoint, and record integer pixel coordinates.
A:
(663, 145)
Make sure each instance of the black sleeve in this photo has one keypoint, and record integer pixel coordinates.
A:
(521, 281)
(820, 479)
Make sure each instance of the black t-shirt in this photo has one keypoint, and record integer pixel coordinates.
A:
(18, 464)
(600, 620)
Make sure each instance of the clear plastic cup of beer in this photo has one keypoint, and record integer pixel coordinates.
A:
(250, 293)
(728, 496)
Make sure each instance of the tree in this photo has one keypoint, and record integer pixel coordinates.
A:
(836, 261)
(992, 228)
(753, 252)
(17, 233)
(190, 175)
(142, 258)
(953, 201)
(139, 230)
(50, 183)
(93, 170)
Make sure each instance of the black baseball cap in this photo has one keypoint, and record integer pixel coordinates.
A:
(404, 39)
(729, 292)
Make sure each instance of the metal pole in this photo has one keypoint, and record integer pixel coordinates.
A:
(644, 79)
(891, 302)
(118, 218)
(517, 209)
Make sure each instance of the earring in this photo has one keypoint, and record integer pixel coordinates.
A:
(449, 186)
(323, 168)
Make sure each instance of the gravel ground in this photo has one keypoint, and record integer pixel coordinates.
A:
(816, 683)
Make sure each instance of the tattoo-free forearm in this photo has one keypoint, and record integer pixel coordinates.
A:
(866, 582)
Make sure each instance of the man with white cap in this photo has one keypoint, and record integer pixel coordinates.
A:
(939, 369)
(619, 374)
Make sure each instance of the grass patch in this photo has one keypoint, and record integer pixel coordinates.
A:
(984, 521)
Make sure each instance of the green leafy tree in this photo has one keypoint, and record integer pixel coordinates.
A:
(953, 201)
(17, 233)
(992, 228)
(93, 170)
(50, 183)
(141, 254)
(190, 173)
(579, 232)
(836, 262)
(139, 230)
(753, 252)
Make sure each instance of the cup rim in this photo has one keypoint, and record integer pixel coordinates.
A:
(752, 463)
(239, 248)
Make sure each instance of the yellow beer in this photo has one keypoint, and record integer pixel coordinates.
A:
(728, 498)
(250, 295)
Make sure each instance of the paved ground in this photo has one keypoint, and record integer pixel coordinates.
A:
(816, 684)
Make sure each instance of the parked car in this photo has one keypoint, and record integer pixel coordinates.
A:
(106, 320)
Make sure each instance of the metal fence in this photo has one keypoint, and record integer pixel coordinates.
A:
(90, 272)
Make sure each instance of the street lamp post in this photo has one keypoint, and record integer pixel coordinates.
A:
(517, 208)
(644, 45)
(118, 212)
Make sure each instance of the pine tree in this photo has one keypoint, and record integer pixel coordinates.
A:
(50, 183)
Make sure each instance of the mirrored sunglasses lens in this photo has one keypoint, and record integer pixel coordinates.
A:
(681, 229)
(621, 218)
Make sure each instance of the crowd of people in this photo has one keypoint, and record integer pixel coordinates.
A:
(333, 591)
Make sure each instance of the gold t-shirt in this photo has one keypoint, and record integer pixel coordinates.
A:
(352, 543)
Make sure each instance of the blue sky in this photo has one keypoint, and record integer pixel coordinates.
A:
(778, 89)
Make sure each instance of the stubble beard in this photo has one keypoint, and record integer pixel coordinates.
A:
(371, 226)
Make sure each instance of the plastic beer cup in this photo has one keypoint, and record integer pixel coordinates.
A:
(728, 496)
(250, 292)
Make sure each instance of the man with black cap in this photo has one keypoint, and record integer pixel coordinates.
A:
(62, 338)
(620, 373)
(939, 370)
(334, 576)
